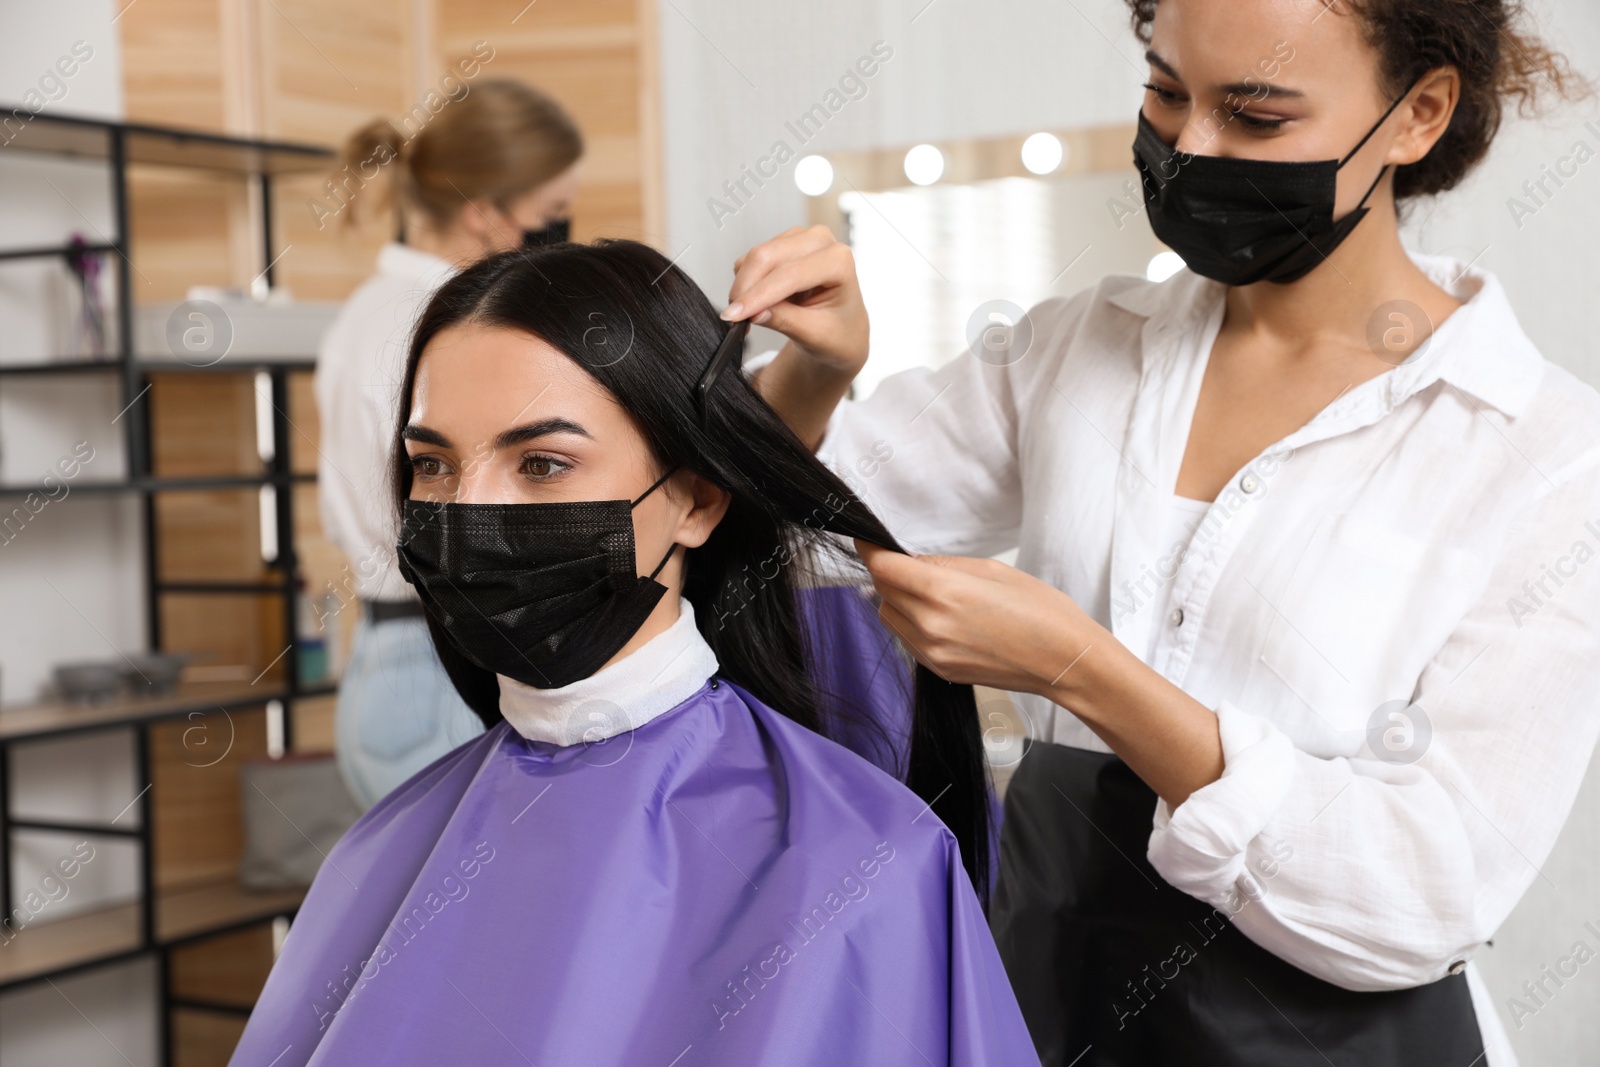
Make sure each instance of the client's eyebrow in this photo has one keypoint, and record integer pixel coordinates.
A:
(506, 438)
(413, 432)
(518, 434)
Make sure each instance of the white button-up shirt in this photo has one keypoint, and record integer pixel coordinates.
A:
(359, 366)
(1394, 611)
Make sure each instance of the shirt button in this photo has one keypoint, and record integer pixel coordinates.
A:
(1176, 618)
(1458, 966)
(1249, 483)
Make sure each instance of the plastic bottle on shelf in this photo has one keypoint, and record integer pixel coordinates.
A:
(312, 639)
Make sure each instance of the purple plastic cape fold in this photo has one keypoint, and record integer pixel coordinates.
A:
(718, 886)
(861, 674)
(863, 680)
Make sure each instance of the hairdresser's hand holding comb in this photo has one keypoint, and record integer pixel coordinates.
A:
(802, 283)
(981, 622)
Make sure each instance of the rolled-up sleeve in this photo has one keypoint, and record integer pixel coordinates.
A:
(1373, 874)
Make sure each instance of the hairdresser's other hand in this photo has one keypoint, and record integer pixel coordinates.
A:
(803, 284)
(981, 622)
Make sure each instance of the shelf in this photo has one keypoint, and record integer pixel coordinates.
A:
(47, 251)
(105, 934)
(63, 366)
(161, 921)
(174, 485)
(77, 829)
(227, 365)
(92, 139)
(204, 588)
(56, 718)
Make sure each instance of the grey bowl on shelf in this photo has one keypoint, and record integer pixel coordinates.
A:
(88, 682)
(153, 673)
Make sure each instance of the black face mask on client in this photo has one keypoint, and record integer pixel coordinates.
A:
(543, 593)
(1242, 221)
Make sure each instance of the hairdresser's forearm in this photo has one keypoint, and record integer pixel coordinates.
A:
(1167, 737)
(804, 391)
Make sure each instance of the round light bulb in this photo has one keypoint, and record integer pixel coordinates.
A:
(1042, 153)
(924, 164)
(813, 175)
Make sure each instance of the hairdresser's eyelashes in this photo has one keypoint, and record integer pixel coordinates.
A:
(1250, 122)
(1169, 99)
(1166, 97)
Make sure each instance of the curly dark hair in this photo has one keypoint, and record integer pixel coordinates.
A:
(1499, 60)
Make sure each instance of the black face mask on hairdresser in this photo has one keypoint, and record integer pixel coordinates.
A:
(543, 593)
(1242, 221)
(553, 233)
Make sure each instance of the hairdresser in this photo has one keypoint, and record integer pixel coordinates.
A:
(494, 170)
(1310, 686)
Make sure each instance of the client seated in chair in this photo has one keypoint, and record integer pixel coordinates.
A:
(655, 855)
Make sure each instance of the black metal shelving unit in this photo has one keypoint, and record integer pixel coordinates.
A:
(154, 925)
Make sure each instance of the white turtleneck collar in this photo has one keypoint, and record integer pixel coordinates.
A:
(654, 678)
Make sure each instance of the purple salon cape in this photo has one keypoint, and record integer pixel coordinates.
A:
(864, 683)
(863, 680)
(717, 886)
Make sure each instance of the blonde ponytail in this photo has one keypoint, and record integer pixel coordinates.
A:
(499, 140)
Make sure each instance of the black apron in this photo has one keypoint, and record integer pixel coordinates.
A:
(1113, 967)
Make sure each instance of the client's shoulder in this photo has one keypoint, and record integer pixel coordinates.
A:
(837, 787)
(433, 792)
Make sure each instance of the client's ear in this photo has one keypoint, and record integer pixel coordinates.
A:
(708, 503)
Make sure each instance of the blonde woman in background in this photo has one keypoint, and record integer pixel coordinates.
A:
(495, 170)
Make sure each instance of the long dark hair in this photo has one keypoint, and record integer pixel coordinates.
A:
(645, 332)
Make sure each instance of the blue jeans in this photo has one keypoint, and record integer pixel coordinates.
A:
(397, 710)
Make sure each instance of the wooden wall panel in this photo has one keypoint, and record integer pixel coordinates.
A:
(227, 629)
(194, 764)
(301, 70)
(313, 724)
(328, 68)
(182, 233)
(210, 536)
(172, 63)
(305, 425)
(203, 424)
(314, 70)
(182, 227)
(226, 969)
(593, 56)
(203, 1038)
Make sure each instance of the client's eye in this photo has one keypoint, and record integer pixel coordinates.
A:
(541, 467)
(427, 468)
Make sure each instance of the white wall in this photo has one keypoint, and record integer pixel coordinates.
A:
(734, 72)
(958, 69)
(41, 1030)
(1549, 263)
(70, 584)
(88, 547)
